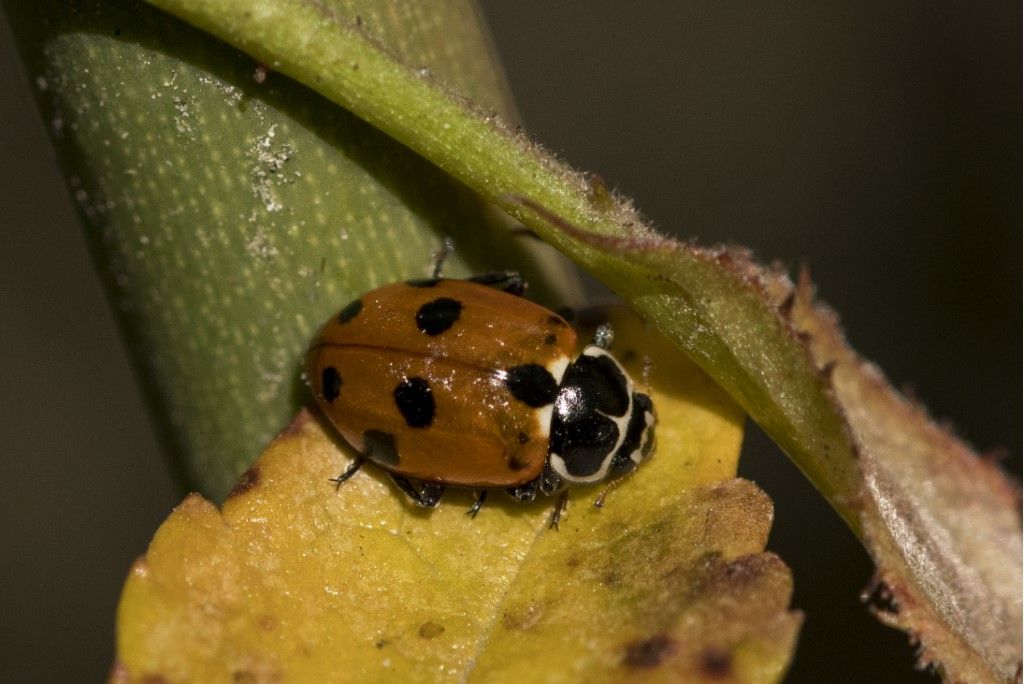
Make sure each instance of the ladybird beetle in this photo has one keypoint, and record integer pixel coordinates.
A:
(464, 383)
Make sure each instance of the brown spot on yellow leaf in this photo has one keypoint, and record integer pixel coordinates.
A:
(522, 619)
(715, 663)
(431, 630)
(611, 579)
(649, 653)
(249, 479)
(736, 574)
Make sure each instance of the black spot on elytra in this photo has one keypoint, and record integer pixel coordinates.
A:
(379, 447)
(330, 383)
(523, 438)
(415, 401)
(423, 282)
(438, 315)
(350, 311)
(715, 663)
(551, 339)
(515, 463)
(649, 653)
(531, 384)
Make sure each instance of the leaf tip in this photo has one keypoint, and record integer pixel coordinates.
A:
(139, 568)
(195, 503)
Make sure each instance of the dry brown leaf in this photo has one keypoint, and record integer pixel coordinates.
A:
(942, 523)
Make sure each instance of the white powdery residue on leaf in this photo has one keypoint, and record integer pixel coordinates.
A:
(260, 246)
(183, 116)
(270, 159)
(232, 94)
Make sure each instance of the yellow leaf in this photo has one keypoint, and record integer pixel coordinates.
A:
(294, 581)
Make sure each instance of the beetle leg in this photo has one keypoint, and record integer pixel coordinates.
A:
(480, 498)
(559, 509)
(406, 486)
(550, 482)
(525, 493)
(428, 496)
(506, 281)
(351, 470)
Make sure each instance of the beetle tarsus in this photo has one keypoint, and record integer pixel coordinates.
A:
(480, 498)
(556, 516)
(525, 493)
(351, 470)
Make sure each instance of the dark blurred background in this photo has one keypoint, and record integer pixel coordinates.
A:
(878, 142)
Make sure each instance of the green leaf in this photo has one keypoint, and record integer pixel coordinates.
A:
(942, 524)
(230, 216)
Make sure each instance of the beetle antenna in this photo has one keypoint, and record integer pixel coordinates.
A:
(351, 470)
(599, 501)
(441, 255)
(604, 336)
